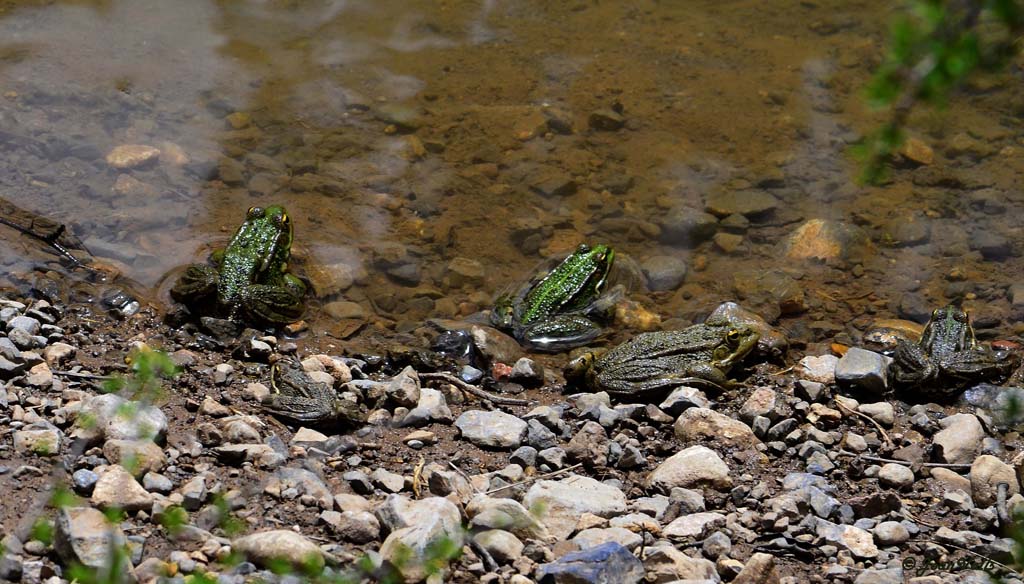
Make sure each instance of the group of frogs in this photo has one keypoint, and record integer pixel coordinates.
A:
(557, 310)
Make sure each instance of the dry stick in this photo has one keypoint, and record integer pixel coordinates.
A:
(972, 552)
(78, 375)
(868, 418)
(536, 478)
(903, 462)
(505, 401)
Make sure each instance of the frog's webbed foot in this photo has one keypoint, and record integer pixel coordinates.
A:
(563, 332)
(277, 304)
(198, 282)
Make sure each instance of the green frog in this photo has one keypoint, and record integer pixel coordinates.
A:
(299, 399)
(249, 279)
(555, 311)
(948, 357)
(653, 363)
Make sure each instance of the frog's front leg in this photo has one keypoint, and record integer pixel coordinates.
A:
(197, 283)
(560, 332)
(278, 304)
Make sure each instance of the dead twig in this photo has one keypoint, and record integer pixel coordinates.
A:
(983, 557)
(868, 418)
(536, 478)
(870, 458)
(473, 390)
(78, 375)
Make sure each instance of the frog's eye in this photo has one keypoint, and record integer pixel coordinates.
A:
(255, 212)
(281, 220)
(960, 316)
(733, 335)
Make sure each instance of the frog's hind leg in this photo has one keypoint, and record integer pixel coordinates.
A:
(197, 283)
(277, 304)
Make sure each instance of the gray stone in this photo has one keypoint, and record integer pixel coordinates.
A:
(858, 541)
(138, 456)
(117, 488)
(889, 533)
(431, 407)
(684, 398)
(358, 527)
(410, 547)
(493, 429)
(387, 481)
(883, 576)
(83, 535)
(665, 563)
(596, 536)
(960, 439)
(566, 499)
(818, 368)
(404, 388)
(895, 475)
(881, 412)
(694, 466)
(864, 370)
(987, 472)
(761, 402)
(527, 372)
(24, 323)
(40, 439)
(664, 272)
(157, 483)
(109, 415)
(502, 545)
(305, 482)
(694, 525)
(607, 563)
(269, 548)
(500, 513)
(701, 425)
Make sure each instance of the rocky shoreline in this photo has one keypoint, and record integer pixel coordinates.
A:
(784, 479)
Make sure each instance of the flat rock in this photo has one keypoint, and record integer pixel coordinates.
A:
(270, 548)
(83, 535)
(702, 425)
(502, 545)
(987, 472)
(595, 536)
(864, 370)
(492, 429)
(138, 456)
(684, 398)
(750, 203)
(40, 439)
(819, 368)
(132, 156)
(664, 272)
(566, 499)
(823, 240)
(668, 564)
(859, 542)
(117, 488)
(410, 548)
(695, 466)
(959, 441)
(607, 563)
(759, 569)
(694, 525)
(500, 513)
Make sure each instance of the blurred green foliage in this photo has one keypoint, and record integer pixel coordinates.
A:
(933, 48)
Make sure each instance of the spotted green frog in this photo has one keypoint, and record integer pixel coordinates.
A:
(249, 279)
(948, 357)
(651, 364)
(298, 399)
(554, 312)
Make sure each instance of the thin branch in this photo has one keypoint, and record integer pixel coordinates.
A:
(868, 418)
(472, 389)
(904, 462)
(536, 478)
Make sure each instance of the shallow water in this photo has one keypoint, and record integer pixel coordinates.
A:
(405, 135)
